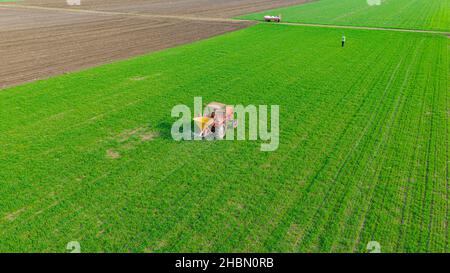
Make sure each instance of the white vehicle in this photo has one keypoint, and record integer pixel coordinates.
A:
(270, 18)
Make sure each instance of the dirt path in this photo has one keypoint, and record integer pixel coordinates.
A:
(367, 28)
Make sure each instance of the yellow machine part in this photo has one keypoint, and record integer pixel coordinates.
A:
(203, 122)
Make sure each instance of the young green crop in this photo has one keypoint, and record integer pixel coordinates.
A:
(363, 149)
(407, 14)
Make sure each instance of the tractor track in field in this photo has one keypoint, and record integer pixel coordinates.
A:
(401, 100)
(446, 176)
(368, 207)
(413, 163)
(430, 174)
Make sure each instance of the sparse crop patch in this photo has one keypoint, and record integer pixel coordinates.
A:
(112, 154)
(138, 78)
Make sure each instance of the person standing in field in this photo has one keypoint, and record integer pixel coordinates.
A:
(343, 40)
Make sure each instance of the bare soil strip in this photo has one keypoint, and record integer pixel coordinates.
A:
(37, 44)
(131, 14)
(193, 8)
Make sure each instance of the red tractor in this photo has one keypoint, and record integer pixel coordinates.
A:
(217, 118)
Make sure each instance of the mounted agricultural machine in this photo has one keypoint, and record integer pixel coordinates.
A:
(216, 119)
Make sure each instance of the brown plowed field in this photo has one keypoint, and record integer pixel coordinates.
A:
(36, 44)
(205, 8)
(43, 38)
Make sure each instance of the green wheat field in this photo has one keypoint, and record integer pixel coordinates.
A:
(363, 152)
(404, 14)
